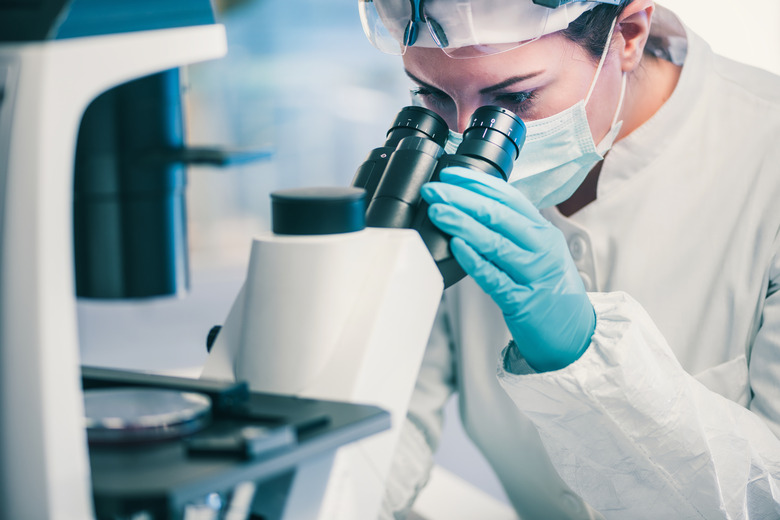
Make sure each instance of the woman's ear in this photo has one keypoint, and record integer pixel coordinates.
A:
(633, 26)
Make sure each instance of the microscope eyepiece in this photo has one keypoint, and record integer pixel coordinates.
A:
(495, 135)
(500, 120)
(420, 122)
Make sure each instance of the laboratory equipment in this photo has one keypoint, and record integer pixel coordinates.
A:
(128, 415)
(333, 311)
(130, 235)
(410, 121)
(490, 144)
(75, 132)
(55, 58)
(129, 207)
(194, 450)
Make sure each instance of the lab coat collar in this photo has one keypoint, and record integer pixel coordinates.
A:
(672, 40)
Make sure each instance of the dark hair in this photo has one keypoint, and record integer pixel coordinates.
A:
(590, 29)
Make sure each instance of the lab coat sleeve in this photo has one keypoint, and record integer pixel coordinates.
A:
(765, 355)
(413, 458)
(638, 437)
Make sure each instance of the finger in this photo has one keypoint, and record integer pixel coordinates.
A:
(493, 281)
(526, 233)
(491, 187)
(517, 262)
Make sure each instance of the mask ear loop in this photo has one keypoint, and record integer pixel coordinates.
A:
(602, 60)
(620, 101)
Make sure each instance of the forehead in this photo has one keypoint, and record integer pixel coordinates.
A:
(549, 54)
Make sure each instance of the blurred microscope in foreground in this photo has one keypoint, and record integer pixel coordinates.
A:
(56, 56)
(92, 177)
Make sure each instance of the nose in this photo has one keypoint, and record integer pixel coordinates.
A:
(463, 121)
(465, 111)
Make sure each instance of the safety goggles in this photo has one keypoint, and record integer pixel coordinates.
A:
(465, 28)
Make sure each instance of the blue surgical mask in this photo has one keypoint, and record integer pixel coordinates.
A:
(559, 151)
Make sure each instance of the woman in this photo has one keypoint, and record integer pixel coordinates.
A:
(634, 323)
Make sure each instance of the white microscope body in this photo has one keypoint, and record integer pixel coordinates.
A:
(45, 87)
(340, 317)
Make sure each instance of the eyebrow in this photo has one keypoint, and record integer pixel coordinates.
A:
(509, 82)
(487, 90)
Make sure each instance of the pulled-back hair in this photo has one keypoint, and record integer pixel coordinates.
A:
(590, 29)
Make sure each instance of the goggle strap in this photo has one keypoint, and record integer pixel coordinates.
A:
(553, 4)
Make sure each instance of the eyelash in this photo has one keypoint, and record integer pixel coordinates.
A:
(518, 102)
(433, 97)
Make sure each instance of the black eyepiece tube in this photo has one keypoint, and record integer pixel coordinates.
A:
(494, 136)
(410, 121)
(398, 195)
(417, 121)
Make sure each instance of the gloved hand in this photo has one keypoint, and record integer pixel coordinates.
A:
(519, 259)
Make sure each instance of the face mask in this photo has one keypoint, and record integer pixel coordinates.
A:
(559, 151)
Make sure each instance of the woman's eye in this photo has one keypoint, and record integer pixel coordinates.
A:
(517, 102)
(431, 99)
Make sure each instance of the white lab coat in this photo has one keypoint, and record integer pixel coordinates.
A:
(674, 409)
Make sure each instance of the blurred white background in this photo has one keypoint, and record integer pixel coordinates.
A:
(302, 80)
(741, 30)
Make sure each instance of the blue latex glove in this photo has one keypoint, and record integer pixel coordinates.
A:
(519, 259)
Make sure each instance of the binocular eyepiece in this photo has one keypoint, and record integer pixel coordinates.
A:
(413, 154)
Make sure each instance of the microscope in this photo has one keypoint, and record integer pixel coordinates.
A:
(56, 57)
(303, 396)
(92, 176)
(340, 297)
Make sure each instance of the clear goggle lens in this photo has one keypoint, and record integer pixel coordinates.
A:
(395, 26)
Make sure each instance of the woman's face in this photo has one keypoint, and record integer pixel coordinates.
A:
(535, 81)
